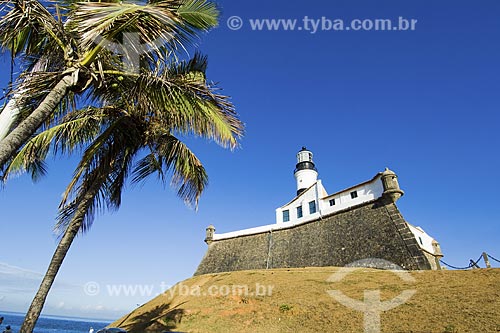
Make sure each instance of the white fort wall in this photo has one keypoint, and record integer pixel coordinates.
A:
(423, 239)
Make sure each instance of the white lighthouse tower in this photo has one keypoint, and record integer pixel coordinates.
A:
(305, 172)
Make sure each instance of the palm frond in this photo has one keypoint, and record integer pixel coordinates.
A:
(178, 96)
(28, 25)
(30, 156)
(78, 129)
(182, 100)
(168, 23)
(200, 14)
(147, 166)
(170, 156)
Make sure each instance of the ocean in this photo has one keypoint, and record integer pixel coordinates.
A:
(51, 324)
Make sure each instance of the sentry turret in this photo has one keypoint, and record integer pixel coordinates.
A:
(392, 192)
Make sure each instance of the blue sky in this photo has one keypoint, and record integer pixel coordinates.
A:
(424, 103)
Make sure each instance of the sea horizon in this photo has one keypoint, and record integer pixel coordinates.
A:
(63, 317)
(50, 323)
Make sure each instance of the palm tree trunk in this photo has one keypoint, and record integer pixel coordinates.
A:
(27, 127)
(57, 259)
(8, 116)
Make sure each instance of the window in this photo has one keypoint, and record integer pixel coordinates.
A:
(299, 212)
(286, 215)
(312, 207)
(332, 202)
(354, 194)
(420, 239)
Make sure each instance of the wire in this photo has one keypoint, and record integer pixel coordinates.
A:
(491, 257)
(471, 264)
(454, 267)
(474, 263)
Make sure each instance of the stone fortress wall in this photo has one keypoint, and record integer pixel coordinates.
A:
(371, 230)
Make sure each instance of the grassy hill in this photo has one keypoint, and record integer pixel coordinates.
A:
(297, 300)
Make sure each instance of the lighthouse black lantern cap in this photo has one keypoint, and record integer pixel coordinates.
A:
(305, 171)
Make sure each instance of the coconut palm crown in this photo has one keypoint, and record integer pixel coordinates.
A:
(67, 47)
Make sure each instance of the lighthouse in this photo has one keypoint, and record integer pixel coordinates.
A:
(305, 172)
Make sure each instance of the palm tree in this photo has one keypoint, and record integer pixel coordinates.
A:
(128, 112)
(133, 133)
(65, 50)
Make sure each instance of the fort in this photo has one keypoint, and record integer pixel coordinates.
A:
(317, 229)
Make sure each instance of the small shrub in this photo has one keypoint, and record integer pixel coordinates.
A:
(285, 308)
(450, 329)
